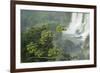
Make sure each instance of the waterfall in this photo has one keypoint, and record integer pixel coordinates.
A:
(75, 23)
(78, 26)
(75, 39)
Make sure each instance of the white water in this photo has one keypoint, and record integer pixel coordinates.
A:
(77, 32)
(77, 27)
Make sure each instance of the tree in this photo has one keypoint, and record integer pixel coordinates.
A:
(37, 45)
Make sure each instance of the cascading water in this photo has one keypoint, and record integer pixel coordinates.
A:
(79, 25)
(77, 32)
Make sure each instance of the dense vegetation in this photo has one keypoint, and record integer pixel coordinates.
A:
(43, 37)
(38, 44)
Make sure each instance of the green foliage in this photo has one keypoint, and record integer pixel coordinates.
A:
(39, 53)
(60, 28)
(45, 36)
(54, 52)
(31, 48)
(41, 35)
(37, 44)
